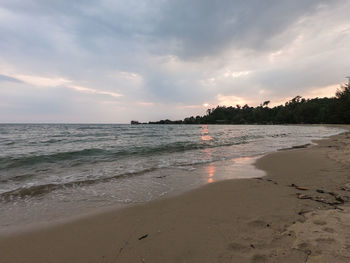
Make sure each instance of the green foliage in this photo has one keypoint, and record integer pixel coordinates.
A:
(296, 111)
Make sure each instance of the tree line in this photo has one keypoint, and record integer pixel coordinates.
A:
(335, 110)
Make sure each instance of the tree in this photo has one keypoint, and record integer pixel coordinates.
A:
(343, 105)
(266, 103)
(296, 110)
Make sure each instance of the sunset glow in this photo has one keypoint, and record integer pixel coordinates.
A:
(152, 63)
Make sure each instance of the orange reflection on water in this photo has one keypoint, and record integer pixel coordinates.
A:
(211, 168)
(206, 138)
(211, 172)
(205, 133)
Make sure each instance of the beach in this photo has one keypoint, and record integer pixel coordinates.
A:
(174, 131)
(298, 212)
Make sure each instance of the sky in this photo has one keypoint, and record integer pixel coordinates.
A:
(113, 61)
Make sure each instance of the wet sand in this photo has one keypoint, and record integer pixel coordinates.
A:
(297, 213)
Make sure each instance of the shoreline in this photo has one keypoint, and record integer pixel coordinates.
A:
(70, 203)
(243, 220)
(214, 172)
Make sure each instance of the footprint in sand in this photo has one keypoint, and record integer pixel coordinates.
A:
(327, 240)
(323, 234)
(328, 229)
(319, 222)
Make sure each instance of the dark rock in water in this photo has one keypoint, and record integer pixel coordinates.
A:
(134, 122)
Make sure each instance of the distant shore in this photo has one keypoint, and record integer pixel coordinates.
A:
(298, 212)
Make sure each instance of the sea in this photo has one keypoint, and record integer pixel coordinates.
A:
(53, 171)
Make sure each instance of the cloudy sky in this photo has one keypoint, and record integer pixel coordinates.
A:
(111, 61)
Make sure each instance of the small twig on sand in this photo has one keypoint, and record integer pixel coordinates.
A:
(144, 236)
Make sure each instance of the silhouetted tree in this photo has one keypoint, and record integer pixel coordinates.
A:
(296, 110)
(266, 103)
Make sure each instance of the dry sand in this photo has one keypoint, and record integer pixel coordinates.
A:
(297, 213)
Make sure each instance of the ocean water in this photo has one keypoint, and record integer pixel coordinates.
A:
(50, 170)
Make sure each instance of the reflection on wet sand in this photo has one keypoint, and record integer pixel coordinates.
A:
(244, 160)
(211, 172)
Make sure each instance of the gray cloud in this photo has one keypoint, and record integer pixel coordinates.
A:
(4, 78)
(206, 27)
(169, 53)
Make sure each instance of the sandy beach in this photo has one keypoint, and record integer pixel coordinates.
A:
(298, 212)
